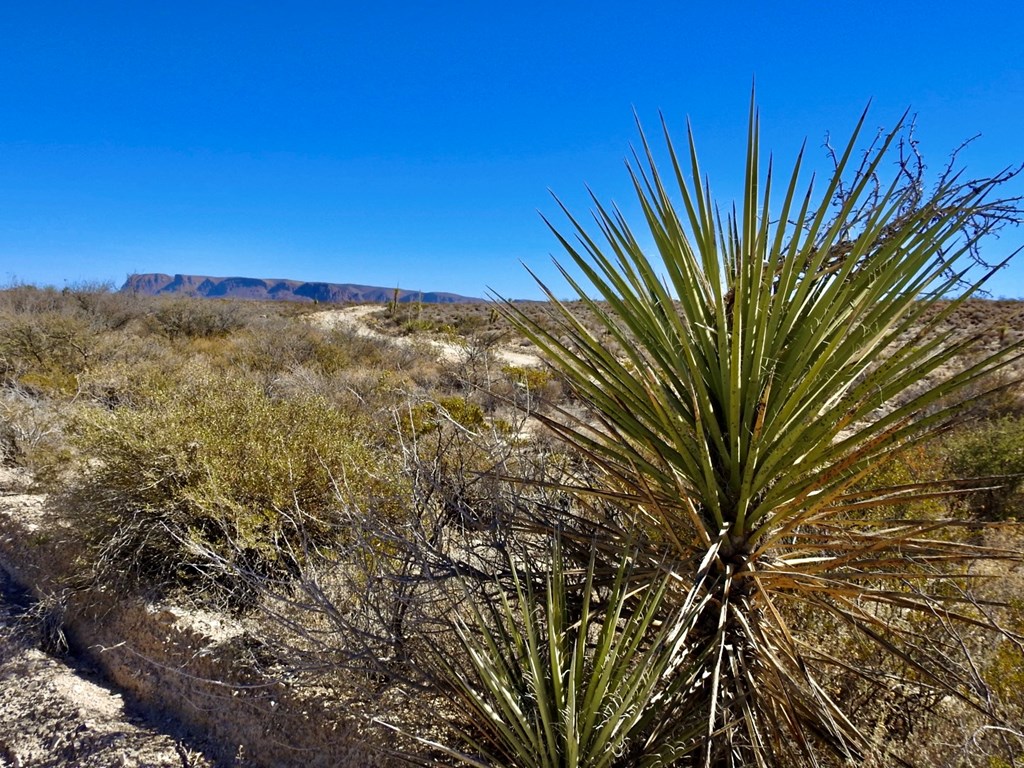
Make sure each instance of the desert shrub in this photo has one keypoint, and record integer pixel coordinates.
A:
(129, 368)
(273, 345)
(429, 416)
(446, 319)
(32, 434)
(106, 307)
(8, 444)
(203, 486)
(46, 351)
(918, 465)
(99, 302)
(196, 318)
(23, 298)
(460, 463)
(992, 449)
(53, 342)
(530, 387)
(451, 453)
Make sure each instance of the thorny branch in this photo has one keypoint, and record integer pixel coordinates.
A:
(980, 210)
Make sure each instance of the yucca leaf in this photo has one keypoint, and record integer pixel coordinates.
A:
(538, 692)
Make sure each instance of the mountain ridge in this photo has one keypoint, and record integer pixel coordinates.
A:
(278, 289)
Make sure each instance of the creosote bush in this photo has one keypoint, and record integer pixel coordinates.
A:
(200, 485)
(427, 417)
(994, 450)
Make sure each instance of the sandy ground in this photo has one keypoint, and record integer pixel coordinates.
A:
(352, 318)
(54, 710)
(54, 714)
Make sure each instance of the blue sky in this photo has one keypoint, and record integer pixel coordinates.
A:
(413, 143)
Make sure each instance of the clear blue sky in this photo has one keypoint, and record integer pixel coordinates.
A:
(412, 143)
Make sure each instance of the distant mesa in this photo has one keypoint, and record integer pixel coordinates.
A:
(154, 284)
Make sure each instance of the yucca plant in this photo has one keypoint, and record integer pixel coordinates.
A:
(560, 672)
(774, 355)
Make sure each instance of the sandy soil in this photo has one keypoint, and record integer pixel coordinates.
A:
(53, 714)
(54, 710)
(352, 318)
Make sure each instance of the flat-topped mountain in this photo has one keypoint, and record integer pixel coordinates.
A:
(154, 284)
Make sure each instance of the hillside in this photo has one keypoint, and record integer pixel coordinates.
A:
(153, 284)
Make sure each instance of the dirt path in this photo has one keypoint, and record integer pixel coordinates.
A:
(54, 710)
(54, 714)
(354, 319)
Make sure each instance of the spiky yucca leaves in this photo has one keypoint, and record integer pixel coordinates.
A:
(574, 675)
(771, 358)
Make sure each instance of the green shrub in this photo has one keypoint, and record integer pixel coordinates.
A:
(993, 449)
(215, 482)
(531, 386)
(429, 416)
(906, 476)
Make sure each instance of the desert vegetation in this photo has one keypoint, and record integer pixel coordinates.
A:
(754, 504)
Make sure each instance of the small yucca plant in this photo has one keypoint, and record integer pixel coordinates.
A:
(774, 356)
(572, 675)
